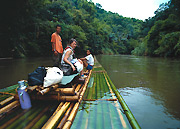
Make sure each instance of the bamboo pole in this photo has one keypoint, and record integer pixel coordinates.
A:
(98, 87)
(6, 93)
(57, 109)
(46, 90)
(100, 71)
(71, 117)
(100, 109)
(76, 106)
(101, 85)
(133, 122)
(29, 118)
(3, 97)
(82, 114)
(84, 123)
(66, 91)
(105, 87)
(62, 122)
(95, 86)
(22, 118)
(106, 115)
(33, 122)
(92, 121)
(54, 119)
(94, 89)
(114, 117)
(108, 93)
(9, 107)
(81, 90)
(12, 120)
(119, 112)
(90, 93)
(86, 93)
(31, 88)
(87, 122)
(42, 120)
(78, 88)
(6, 101)
(100, 99)
(56, 97)
(59, 114)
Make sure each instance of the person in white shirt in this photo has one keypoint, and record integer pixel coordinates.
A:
(88, 61)
(69, 65)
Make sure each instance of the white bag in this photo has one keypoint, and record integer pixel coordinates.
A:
(54, 75)
(78, 65)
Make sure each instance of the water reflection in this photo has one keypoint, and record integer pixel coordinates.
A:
(150, 87)
(12, 70)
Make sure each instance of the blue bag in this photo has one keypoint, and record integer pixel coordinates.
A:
(37, 77)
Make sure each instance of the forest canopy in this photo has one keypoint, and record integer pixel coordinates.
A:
(27, 26)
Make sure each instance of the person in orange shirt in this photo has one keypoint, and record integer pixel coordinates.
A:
(57, 47)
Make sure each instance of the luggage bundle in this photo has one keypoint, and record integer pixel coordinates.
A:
(45, 76)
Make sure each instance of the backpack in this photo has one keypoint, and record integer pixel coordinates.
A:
(37, 77)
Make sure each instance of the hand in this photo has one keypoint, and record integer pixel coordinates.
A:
(56, 53)
(73, 68)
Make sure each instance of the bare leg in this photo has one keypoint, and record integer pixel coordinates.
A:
(82, 72)
(85, 63)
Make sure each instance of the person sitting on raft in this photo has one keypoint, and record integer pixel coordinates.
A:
(67, 65)
(88, 61)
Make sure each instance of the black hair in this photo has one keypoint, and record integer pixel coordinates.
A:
(58, 26)
(89, 50)
(72, 40)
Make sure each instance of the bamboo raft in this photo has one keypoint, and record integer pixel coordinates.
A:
(96, 103)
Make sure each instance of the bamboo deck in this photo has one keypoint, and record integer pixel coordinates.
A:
(100, 108)
(97, 107)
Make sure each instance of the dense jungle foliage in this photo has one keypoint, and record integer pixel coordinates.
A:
(27, 25)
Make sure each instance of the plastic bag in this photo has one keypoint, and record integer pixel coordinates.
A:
(78, 65)
(54, 75)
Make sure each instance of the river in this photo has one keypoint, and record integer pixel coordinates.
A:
(13, 70)
(150, 86)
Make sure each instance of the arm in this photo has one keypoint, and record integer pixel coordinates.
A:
(83, 59)
(53, 41)
(68, 53)
(54, 48)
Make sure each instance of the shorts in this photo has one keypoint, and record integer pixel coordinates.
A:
(89, 67)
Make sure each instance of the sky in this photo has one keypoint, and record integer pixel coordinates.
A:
(139, 9)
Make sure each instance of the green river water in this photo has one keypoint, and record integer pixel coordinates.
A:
(150, 86)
